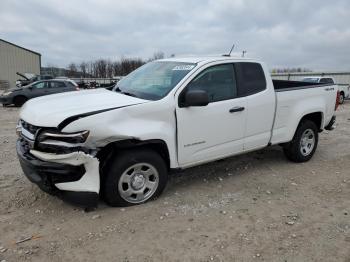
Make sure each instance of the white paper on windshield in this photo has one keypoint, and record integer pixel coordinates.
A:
(183, 67)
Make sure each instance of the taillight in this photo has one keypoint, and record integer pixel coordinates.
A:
(337, 100)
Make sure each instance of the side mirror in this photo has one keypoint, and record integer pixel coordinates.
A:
(196, 98)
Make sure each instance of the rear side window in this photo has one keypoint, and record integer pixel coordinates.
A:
(250, 78)
(57, 84)
(327, 81)
(72, 84)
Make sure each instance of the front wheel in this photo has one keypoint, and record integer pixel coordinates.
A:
(304, 143)
(134, 177)
(19, 100)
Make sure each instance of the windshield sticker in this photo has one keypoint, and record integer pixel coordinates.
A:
(183, 67)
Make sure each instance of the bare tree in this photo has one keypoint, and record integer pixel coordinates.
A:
(72, 70)
(158, 55)
(91, 68)
(109, 69)
(106, 68)
(72, 67)
(101, 68)
(83, 68)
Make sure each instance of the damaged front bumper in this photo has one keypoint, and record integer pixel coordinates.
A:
(73, 177)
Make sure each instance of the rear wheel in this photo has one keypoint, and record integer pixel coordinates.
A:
(134, 177)
(19, 100)
(304, 143)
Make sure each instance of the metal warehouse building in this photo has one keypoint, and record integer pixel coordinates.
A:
(13, 59)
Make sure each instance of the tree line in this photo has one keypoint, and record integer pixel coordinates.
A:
(289, 70)
(106, 68)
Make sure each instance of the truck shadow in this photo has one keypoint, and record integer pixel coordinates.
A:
(227, 168)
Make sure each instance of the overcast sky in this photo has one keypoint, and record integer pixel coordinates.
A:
(314, 34)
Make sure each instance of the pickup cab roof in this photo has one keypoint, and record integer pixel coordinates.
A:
(206, 59)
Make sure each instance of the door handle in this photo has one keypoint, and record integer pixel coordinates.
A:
(237, 109)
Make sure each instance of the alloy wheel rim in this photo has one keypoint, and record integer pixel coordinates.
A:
(138, 183)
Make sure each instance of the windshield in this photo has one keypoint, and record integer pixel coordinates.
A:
(311, 79)
(153, 80)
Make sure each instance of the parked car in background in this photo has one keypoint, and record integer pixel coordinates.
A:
(344, 90)
(18, 96)
(28, 80)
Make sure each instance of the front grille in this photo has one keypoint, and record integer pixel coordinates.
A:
(30, 139)
(25, 145)
(28, 133)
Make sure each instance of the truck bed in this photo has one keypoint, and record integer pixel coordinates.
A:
(294, 99)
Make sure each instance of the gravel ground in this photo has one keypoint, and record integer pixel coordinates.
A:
(254, 207)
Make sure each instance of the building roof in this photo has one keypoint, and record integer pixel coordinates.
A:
(20, 47)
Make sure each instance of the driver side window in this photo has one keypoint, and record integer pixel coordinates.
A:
(218, 81)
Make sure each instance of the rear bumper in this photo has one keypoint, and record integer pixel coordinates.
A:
(331, 124)
(50, 177)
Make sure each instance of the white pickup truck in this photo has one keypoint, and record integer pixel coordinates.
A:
(344, 89)
(168, 114)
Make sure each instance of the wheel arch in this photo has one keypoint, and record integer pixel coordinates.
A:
(316, 117)
(112, 148)
(19, 96)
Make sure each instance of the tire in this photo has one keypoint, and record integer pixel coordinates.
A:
(134, 177)
(341, 98)
(19, 100)
(304, 143)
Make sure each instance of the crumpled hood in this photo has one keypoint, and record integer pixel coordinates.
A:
(51, 110)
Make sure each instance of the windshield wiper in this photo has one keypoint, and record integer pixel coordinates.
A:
(124, 93)
(128, 94)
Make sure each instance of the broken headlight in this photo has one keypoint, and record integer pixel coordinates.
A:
(19, 128)
(60, 138)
